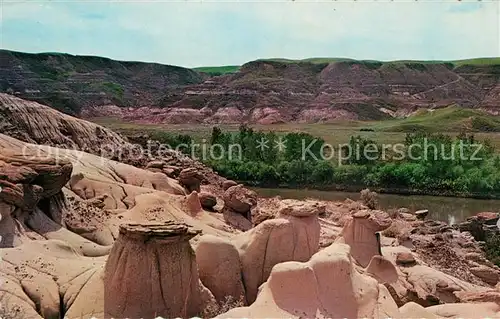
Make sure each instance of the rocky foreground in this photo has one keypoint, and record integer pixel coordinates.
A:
(85, 236)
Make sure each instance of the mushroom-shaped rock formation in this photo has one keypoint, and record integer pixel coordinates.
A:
(327, 286)
(191, 179)
(152, 271)
(361, 234)
(292, 237)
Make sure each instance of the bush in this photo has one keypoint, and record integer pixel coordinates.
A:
(492, 249)
(369, 198)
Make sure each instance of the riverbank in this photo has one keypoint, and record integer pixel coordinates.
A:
(380, 190)
(451, 210)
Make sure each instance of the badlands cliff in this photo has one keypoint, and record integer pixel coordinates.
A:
(263, 91)
(86, 236)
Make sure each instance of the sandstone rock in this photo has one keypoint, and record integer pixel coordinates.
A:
(414, 310)
(421, 214)
(466, 310)
(171, 171)
(479, 297)
(297, 208)
(272, 242)
(359, 233)
(298, 290)
(193, 204)
(382, 270)
(228, 183)
(405, 259)
(155, 164)
(240, 199)
(488, 217)
(207, 200)
(49, 276)
(191, 179)
(219, 267)
(36, 123)
(487, 274)
(154, 170)
(408, 217)
(165, 277)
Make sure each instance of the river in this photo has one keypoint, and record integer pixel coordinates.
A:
(447, 209)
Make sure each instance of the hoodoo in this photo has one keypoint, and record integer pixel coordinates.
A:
(152, 271)
(360, 234)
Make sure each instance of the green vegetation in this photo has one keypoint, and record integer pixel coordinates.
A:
(218, 70)
(423, 163)
(416, 63)
(113, 88)
(450, 119)
(492, 248)
(175, 141)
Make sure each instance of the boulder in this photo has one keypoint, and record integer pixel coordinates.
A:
(240, 199)
(228, 183)
(171, 171)
(290, 207)
(486, 274)
(421, 214)
(207, 200)
(488, 217)
(405, 259)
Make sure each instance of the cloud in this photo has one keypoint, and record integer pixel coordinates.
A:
(215, 33)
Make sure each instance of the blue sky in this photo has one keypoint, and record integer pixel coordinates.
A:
(221, 32)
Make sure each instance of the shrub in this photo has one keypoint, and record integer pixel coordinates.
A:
(369, 198)
(492, 248)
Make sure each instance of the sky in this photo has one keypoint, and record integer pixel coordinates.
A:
(221, 32)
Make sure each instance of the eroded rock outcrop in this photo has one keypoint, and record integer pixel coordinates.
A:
(151, 271)
(36, 123)
(220, 268)
(191, 179)
(326, 286)
(293, 236)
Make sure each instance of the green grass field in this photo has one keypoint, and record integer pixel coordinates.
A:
(319, 60)
(219, 70)
(451, 120)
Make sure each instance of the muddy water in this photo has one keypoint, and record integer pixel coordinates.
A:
(447, 209)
